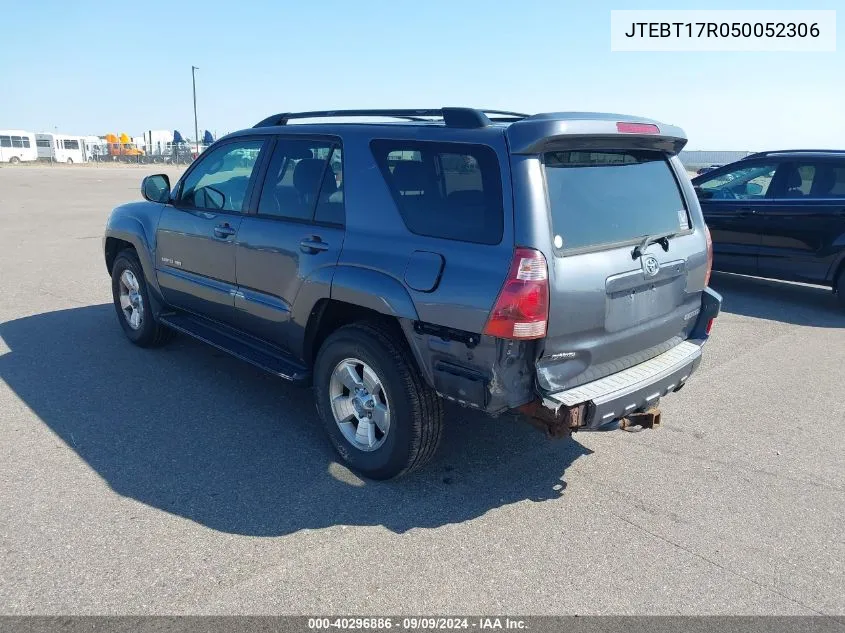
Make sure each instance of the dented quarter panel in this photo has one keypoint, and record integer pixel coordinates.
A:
(503, 367)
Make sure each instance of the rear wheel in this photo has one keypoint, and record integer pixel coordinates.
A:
(70, 161)
(14, 160)
(379, 413)
(132, 302)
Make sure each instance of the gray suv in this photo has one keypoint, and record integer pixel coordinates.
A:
(555, 265)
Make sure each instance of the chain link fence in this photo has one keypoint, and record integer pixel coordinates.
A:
(140, 154)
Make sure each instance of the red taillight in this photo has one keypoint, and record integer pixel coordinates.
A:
(522, 308)
(709, 240)
(709, 326)
(637, 128)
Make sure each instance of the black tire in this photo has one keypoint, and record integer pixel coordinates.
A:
(150, 332)
(416, 411)
(70, 161)
(14, 160)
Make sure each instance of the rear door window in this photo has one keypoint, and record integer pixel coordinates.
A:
(608, 197)
(819, 180)
(304, 182)
(451, 191)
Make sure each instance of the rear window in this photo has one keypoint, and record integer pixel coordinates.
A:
(608, 197)
(447, 190)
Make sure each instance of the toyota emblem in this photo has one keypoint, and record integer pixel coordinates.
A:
(650, 265)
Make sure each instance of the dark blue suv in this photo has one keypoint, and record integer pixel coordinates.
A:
(779, 214)
(554, 264)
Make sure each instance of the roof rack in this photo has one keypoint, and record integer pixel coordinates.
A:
(795, 151)
(452, 117)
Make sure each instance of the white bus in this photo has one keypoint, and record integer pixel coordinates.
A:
(17, 146)
(60, 148)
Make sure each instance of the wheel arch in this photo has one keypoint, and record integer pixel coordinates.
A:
(129, 227)
(360, 294)
(837, 268)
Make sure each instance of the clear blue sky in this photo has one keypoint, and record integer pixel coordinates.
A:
(91, 67)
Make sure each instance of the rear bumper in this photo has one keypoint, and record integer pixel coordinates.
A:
(641, 386)
(634, 389)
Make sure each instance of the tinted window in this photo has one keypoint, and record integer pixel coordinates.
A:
(447, 190)
(302, 183)
(42, 142)
(17, 141)
(838, 188)
(823, 179)
(220, 180)
(5, 141)
(749, 182)
(71, 144)
(330, 204)
(25, 141)
(616, 196)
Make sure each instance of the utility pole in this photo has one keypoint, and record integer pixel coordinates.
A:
(194, 70)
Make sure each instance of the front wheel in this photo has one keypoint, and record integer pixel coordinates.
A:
(14, 160)
(379, 413)
(132, 302)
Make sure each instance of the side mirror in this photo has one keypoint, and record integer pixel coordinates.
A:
(753, 188)
(156, 188)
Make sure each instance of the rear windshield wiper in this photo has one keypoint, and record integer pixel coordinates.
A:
(663, 240)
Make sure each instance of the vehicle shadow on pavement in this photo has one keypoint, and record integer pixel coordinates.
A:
(193, 432)
(797, 304)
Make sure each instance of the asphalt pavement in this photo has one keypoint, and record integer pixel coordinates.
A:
(180, 480)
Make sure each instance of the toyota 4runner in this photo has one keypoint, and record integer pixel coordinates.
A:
(555, 264)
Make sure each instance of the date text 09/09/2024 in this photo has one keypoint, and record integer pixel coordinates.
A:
(416, 623)
(723, 29)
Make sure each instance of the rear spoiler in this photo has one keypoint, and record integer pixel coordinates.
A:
(587, 130)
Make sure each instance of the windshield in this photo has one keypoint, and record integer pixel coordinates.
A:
(609, 197)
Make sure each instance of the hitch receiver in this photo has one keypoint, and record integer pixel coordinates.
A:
(645, 419)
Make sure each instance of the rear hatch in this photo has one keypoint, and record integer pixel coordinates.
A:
(624, 243)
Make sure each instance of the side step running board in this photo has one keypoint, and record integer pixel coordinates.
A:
(239, 345)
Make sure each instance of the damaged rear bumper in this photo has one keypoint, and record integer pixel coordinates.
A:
(634, 389)
(598, 404)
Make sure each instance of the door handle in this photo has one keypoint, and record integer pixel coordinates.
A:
(747, 211)
(224, 231)
(312, 245)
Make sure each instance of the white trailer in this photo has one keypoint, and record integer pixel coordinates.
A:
(158, 143)
(17, 146)
(96, 148)
(61, 148)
